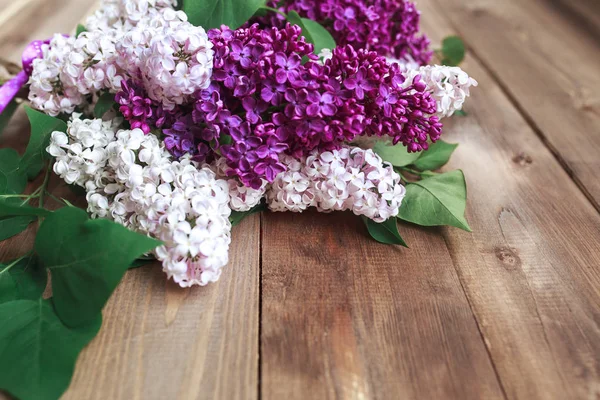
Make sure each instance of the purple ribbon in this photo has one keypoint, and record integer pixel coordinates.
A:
(9, 90)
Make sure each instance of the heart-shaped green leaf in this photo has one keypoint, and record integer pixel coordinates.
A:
(22, 279)
(11, 226)
(385, 232)
(214, 13)
(42, 126)
(87, 259)
(142, 262)
(37, 351)
(453, 51)
(15, 216)
(13, 178)
(396, 155)
(436, 156)
(437, 200)
(12, 207)
(80, 29)
(314, 32)
(237, 216)
(7, 114)
(104, 104)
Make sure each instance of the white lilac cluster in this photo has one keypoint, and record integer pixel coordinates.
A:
(126, 38)
(407, 63)
(449, 86)
(130, 178)
(126, 14)
(242, 198)
(47, 92)
(347, 179)
(175, 61)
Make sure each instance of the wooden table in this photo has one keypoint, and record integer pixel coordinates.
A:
(311, 308)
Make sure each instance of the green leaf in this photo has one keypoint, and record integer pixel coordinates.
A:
(87, 259)
(140, 262)
(42, 126)
(396, 155)
(460, 113)
(11, 226)
(453, 50)
(314, 32)
(435, 201)
(13, 178)
(7, 114)
(104, 104)
(436, 156)
(237, 216)
(225, 139)
(385, 232)
(214, 13)
(15, 216)
(80, 30)
(37, 351)
(11, 207)
(22, 279)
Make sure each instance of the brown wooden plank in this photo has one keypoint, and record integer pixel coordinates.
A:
(531, 268)
(157, 341)
(344, 317)
(585, 13)
(549, 65)
(26, 20)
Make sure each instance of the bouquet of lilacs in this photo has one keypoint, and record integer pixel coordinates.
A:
(177, 120)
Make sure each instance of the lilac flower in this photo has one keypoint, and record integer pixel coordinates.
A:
(288, 67)
(272, 148)
(359, 83)
(321, 104)
(388, 27)
(254, 108)
(386, 99)
(269, 168)
(135, 105)
(296, 102)
(228, 74)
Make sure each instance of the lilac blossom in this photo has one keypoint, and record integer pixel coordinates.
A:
(388, 27)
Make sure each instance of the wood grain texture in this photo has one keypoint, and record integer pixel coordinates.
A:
(159, 341)
(25, 20)
(585, 13)
(549, 65)
(344, 317)
(531, 269)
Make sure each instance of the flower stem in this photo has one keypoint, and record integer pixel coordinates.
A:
(44, 187)
(59, 201)
(12, 264)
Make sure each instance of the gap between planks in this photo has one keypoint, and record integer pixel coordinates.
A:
(546, 61)
(543, 331)
(526, 116)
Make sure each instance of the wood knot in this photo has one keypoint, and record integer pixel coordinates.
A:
(477, 11)
(509, 258)
(522, 159)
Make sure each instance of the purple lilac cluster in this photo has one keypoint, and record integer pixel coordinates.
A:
(179, 131)
(381, 100)
(388, 27)
(266, 101)
(270, 96)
